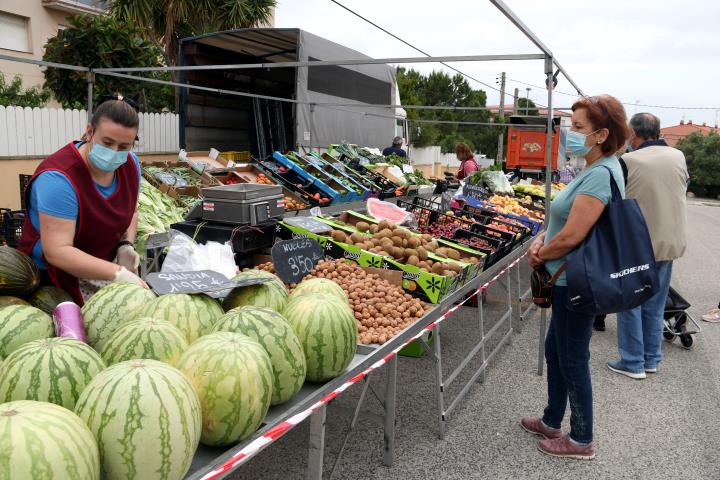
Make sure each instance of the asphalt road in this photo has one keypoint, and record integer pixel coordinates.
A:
(664, 427)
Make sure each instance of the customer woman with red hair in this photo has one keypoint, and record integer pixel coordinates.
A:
(599, 129)
(468, 165)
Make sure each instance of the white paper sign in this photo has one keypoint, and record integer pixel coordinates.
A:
(214, 154)
(407, 169)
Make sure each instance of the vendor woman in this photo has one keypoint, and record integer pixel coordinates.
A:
(82, 202)
(468, 165)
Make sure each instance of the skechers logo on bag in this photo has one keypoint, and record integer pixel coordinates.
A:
(628, 271)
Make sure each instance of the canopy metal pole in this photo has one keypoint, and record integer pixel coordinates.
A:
(90, 85)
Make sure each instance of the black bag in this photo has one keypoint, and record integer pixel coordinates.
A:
(542, 285)
(613, 269)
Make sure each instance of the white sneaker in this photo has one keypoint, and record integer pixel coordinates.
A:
(617, 368)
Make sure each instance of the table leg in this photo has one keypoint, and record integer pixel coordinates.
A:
(317, 444)
(390, 396)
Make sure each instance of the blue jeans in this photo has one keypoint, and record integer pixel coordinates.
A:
(639, 330)
(567, 352)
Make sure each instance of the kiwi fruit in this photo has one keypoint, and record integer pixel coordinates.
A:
(397, 241)
(409, 252)
(454, 254)
(437, 268)
(358, 237)
(413, 260)
(413, 242)
(424, 265)
(422, 253)
(373, 228)
(362, 226)
(455, 267)
(398, 252)
(385, 232)
(339, 236)
(383, 225)
(441, 252)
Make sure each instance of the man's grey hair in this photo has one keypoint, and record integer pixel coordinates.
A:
(397, 141)
(646, 125)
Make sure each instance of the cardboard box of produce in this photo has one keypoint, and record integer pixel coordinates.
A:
(249, 173)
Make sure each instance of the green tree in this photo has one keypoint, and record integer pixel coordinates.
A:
(702, 154)
(165, 22)
(99, 41)
(12, 94)
(527, 107)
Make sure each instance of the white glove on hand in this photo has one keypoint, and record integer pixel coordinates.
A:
(127, 257)
(125, 275)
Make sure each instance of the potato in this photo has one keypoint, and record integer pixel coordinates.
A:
(373, 228)
(339, 236)
(362, 226)
(397, 241)
(413, 241)
(413, 260)
(454, 254)
(422, 253)
(358, 237)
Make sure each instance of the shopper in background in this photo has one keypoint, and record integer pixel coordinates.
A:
(657, 177)
(713, 316)
(82, 201)
(396, 148)
(468, 165)
(567, 174)
(599, 129)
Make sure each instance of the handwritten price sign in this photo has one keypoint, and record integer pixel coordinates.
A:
(202, 281)
(295, 258)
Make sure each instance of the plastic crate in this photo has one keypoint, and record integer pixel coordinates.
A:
(427, 217)
(507, 238)
(242, 156)
(24, 182)
(243, 238)
(12, 226)
(492, 253)
(293, 182)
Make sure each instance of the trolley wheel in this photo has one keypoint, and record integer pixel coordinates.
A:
(686, 340)
(668, 336)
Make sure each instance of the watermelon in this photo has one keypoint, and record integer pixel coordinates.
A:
(272, 294)
(145, 338)
(20, 324)
(194, 315)
(47, 298)
(319, 285)
(18, 273)
(273, 332)
(327, 331)
(40, 440)
(146, 419)
(233, 376)
(51, 370)
(110, 307)
(6, 300)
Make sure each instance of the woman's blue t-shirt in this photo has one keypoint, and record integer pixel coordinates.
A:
(594, 181)
(52, 193)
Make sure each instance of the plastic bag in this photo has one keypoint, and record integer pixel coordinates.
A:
(497, 182)
(184, 255)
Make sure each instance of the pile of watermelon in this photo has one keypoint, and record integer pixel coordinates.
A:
(135, 401)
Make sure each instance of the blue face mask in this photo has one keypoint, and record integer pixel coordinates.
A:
(575, 143)
(107, 159)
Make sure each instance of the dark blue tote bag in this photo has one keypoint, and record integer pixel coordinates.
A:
(613, 269)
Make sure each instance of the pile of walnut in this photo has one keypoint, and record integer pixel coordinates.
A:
(381, 309)
(405, 246)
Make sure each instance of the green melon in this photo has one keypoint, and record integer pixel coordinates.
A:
(18, 273)
(48, 297)
(145, 338)
(43, 441)
(272, 294)
(273, 332)
(146, 419)
(53, 370)
(327, 331)
(319, 285)
(20, 324)
(7, 300)
(194, 315)
(233, 376)
(111, 307)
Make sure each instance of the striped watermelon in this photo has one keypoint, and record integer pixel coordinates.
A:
(319, 285)
(20, 324)
(51, 370)
(327, 331)
(48, 297)
(194, 315)
(145, 338)
(110, 307)
(233, 376)
(146, 419)
(40, 440)
(272, 294)
(6, 300)
(18, 273)
(273, 332)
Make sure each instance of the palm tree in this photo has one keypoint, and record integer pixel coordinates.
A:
(165, 22)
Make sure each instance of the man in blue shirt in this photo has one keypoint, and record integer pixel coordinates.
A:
(396, 148)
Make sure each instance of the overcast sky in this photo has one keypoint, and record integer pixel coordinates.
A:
(641, 51)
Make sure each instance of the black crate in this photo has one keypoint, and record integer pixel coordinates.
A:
(11, 227)
(303, 188)
(427, 217)
(243, 238)
(508, 239)
(496, 247)
(24, 182)
(486, 217)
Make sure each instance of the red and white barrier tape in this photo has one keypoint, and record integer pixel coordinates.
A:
(282, 428)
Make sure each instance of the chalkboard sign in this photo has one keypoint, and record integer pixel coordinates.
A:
(309, 224)
(293, 259)
(475, 191)
(202, 281)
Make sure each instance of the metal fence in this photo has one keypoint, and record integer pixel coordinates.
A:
(42, 131)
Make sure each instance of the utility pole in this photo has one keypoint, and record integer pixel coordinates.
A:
(527, 101)
(515, 101)
(499, 158)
